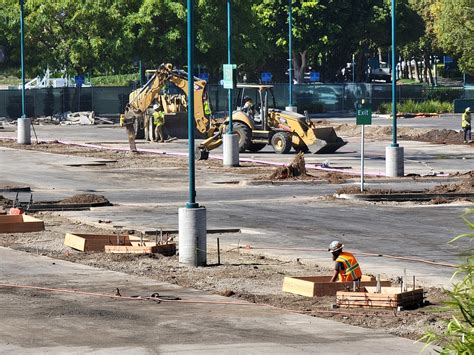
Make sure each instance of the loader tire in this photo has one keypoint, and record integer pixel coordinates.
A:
(245, 136)
(256, 147)
(281, 143)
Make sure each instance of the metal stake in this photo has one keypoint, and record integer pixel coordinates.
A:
(218, 252)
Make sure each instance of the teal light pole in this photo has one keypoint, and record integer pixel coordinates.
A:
(290, 50)
(22, 54)
(190, 41)
(394, 78)
(229, 61)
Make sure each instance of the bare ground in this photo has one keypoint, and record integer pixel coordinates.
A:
(249, 277)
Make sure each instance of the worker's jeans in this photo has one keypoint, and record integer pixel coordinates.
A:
(467, 134)
(159, 133)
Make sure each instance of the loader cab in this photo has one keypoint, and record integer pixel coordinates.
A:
(260, 95)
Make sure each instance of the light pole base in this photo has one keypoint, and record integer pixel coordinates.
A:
(24, 131)
(291, 108)
(394, 161)
(231, 149)
(192, 236)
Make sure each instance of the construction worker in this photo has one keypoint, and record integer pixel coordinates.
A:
(347, 268)
(466, 125)
(207, 107)
(158, 121)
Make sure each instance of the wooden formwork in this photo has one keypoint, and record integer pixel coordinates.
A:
(389, 297)
(20, 224)
(311, 286)
(111, 243)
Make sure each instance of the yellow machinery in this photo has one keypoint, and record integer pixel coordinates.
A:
(282, 130)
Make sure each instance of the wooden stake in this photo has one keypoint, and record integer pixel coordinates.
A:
(218, 252)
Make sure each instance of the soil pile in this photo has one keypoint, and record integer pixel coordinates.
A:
(295, 169)
(437, 136)
(5, 202)
(84, 199)
(466, 185)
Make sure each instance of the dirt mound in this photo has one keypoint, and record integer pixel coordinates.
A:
(464, 186)
(84, 199)
(295, 169)
(334, 178)
(5, 202)
(438, 136)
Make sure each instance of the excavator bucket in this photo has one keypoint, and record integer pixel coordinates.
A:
(327, 141)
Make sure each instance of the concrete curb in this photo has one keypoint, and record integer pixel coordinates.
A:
(404, 197)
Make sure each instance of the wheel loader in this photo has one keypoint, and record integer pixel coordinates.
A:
(266, 125)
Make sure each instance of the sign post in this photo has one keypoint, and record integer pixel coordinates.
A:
(363, 117)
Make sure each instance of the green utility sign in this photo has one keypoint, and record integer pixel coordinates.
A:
(364, 115)
(230, 75)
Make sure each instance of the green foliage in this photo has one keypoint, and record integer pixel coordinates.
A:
(458, 336)
(444, 94)
(114, 80)
(410, 106)
(453, 26)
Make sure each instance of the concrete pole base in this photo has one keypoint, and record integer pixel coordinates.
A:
(24, 131)
(192, 236)
(394, 161)
(231, 149)
(291, 108)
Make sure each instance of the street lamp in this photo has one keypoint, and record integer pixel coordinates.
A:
(230, 140)
(394, 154)
(192, 218)
(290, 106)
(23, 123)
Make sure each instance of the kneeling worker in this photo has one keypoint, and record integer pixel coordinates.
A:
(347, 268)
(158, 121)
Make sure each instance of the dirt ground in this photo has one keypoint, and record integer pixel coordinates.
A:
(241, 275)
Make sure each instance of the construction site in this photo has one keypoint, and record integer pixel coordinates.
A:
(89, 239)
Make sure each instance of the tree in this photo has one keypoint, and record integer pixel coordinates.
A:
(454, 28)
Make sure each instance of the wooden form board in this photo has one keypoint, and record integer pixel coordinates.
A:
(93, 242)
(311, 286)
(390, 297)
(20, 224)
(109, 244)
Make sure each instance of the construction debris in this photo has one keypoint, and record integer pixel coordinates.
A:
(20, 224)
(295, 169)
(317, 286)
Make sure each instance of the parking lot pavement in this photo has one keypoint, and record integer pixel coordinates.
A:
(39, 321)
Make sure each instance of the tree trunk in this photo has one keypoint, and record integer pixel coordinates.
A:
(428, 68)
(405, 68)
(410, 70)
(380, 54)
(417, 71)
(299, 66)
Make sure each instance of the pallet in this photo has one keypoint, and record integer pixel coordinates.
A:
(317, 286)
(20, 224)
(390, 297)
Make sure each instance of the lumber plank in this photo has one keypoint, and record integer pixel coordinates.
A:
(20, 224)
(93, 242)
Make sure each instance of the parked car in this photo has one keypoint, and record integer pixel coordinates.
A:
(383, 72)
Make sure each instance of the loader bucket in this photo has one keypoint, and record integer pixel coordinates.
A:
(327, 141)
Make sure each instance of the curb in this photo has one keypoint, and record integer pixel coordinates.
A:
(404, 197)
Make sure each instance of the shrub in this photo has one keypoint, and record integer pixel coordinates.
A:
(458, 336)
(444, 94)
(114, 80)
(410, 106)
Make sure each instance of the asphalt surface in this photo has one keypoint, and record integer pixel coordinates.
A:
(44, 322)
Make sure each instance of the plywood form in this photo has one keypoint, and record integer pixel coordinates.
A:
(390, 297)
(93, 242)
(110, 244)
(20, 224)
(311, 286)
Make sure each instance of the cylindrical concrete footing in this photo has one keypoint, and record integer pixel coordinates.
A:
(231, 149)
(291, 108)
(24, 131)
(394, 161)
(192, 236)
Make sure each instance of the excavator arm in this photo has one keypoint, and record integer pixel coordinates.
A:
(141, 99)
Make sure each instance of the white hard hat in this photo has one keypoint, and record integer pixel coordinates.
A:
(335, 246)
(468, 109)
(156, 107)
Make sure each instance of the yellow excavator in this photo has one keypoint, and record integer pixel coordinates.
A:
(263, 126)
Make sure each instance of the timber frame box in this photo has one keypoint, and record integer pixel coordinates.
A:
(111, 243)
(317, 286)
(389, 297)
(20, 224)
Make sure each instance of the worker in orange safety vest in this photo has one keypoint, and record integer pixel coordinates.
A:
(347, 268)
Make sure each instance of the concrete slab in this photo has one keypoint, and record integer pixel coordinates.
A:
(40, 322)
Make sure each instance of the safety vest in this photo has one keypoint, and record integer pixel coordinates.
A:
(466, 120)
(207, 108)
(352, 269)
(159, 118)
